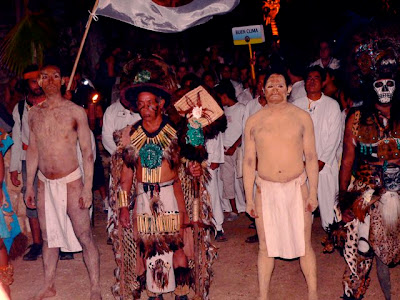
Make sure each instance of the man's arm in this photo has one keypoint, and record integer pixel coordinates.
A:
(85, 143)
(32, 160)
(126, 180)
(215, 150)
(233, 148)
(348, 155)
(334, 134)
(107, 132)
(310, 154)
(249, 169)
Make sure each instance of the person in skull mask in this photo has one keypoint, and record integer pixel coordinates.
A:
(369, 206)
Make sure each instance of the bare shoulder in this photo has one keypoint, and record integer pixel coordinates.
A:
(297, 111)
(34, 113)
(74, 109)
(255, 118)
(300, 116)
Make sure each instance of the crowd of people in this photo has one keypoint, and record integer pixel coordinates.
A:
(279, 144)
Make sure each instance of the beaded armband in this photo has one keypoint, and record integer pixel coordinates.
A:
(123, 199)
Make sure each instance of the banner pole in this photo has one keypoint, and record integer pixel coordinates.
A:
(82, 43)
(253, 73)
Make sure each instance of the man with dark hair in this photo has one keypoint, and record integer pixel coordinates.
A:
(232, 139)
(20, 134)
(295, 72)
(325, 56)
(64, 191)
(326, 116)
(276, 140)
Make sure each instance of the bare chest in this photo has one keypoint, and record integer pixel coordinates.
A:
(53, 124)
(277, 129)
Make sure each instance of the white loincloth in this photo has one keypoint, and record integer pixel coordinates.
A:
(60, 233)
(283, 217)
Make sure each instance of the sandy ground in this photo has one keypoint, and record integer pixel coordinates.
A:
(235, 270)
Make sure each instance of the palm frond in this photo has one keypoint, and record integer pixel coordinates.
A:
(26, 42)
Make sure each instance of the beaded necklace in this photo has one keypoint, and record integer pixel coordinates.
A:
(151, 148)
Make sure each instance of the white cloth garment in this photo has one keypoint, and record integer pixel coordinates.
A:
(215, 150)
(20, 135)
(60, 233)
(149, 15)
(116, 117)
(327, 120)
(333, 63)
(234, 117)
(242, 95)
(298, 91)
(160, 264)
(283, 216)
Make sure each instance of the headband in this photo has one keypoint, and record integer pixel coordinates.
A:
(31, 75)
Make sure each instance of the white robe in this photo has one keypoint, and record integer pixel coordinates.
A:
(234, 116)
(215, 150)
(116, 117)
(327, 119)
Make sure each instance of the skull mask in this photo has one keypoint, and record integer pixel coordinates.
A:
(385, 89)
(391, 178)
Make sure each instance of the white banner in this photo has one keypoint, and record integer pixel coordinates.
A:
(149, 15)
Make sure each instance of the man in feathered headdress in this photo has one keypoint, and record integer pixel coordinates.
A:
(152, 240)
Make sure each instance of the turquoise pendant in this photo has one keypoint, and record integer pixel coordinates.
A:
(195, 136)
(151, 156)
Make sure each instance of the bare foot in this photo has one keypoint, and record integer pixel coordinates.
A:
(46, 292)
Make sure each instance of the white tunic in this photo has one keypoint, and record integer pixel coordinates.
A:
(234, 117)
(116, 117)
(20, 135)
(327, 119)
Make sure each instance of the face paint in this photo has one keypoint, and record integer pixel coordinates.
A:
(151, 106)
(385, 89)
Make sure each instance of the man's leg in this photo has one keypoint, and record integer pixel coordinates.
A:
(227, 171)
(218, 215)
(308, 262)
(81, 223)
(327, 191)
(50, 255)
(182, 275)
(265, 263)
(32, 215)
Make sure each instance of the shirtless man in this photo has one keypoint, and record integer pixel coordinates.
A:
(283, 134)
(55, 126)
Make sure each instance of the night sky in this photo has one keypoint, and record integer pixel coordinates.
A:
(301, 22)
